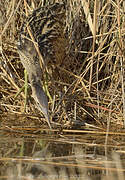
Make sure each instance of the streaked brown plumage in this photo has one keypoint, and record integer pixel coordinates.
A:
(46, 25)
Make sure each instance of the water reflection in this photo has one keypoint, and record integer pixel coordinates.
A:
(36, 159)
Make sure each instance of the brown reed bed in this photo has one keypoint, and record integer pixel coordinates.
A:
(90, 85)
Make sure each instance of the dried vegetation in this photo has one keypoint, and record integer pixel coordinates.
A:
(90, 86)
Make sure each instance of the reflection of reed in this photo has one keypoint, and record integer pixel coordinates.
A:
(76, 167)
(70, 167)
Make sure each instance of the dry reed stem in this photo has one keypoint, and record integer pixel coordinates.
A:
(94, 83)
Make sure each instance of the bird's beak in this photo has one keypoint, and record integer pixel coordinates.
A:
(41, 99)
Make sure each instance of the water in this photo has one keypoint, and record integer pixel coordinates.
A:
(33, 153)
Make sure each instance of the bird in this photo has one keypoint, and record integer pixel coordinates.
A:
(42, 42)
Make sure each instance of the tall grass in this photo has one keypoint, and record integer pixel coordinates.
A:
(90, 84)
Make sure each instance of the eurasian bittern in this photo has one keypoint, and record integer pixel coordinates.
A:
(42, 35)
